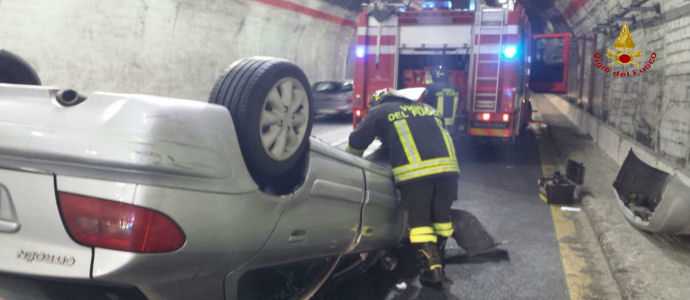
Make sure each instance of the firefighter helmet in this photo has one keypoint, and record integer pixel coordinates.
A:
(380, 95)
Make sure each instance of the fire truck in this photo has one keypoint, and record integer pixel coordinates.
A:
(485, 50)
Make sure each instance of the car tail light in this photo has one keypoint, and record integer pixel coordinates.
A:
(113, 225)
(506, 118)
(358, 113)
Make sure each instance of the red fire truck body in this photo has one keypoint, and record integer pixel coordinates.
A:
(485, 50)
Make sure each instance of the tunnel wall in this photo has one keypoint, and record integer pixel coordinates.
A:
(653, 108)
(171, 47)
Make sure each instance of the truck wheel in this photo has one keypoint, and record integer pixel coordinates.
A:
(15, 70)
(271, 105)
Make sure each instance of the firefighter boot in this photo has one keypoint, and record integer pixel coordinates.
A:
(432, 267)
(442, 254)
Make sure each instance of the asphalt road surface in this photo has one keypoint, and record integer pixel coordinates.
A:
(499, 185)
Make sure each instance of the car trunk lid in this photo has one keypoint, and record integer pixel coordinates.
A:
(33, 238)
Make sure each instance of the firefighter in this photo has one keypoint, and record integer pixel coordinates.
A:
(442, 95)
(425, 169)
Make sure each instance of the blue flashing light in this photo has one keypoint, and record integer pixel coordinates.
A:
(509, 51)
(437, 4)
(360, 51)
(428, 4)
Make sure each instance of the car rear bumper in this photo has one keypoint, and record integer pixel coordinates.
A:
(333, 108)
(19, 287)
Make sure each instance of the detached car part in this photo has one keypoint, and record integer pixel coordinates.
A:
(650, 199)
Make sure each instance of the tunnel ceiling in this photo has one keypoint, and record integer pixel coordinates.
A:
(539, 11)
(354, 5)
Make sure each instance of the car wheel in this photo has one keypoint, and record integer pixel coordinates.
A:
(271, 106)
(15, 70)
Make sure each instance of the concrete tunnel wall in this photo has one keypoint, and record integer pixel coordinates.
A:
(174, 48)
(654, 108)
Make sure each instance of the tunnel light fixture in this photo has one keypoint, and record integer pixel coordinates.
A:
(509, 51)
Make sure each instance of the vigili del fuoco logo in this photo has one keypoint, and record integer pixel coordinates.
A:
(624, 59)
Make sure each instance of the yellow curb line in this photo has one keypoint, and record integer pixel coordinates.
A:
(573, 265)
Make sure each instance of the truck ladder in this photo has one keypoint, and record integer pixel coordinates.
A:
(490, 22)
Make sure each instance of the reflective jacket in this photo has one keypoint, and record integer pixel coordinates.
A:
(413, 134)
(444, 98)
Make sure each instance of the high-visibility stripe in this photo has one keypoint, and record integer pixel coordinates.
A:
(425, 164)
(423, 234)
(443, 226)
(407, 141)
(439, 104)
(444, 229)
(436, 266)
(455, 105)
(422, 230)
(423, 239)
(428, 172)
(450, 147)
(445, 233)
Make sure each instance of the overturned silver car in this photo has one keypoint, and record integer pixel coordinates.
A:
(122, 196)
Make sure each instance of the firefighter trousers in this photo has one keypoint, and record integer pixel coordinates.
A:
(428, 203)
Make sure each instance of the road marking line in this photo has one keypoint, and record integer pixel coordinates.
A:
(574, 265)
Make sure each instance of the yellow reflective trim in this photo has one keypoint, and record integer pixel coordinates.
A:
(422, 230)
(443, 226)
(407, 141)
(450, 146)
(427, 172)
(444, 229)
(434, 267)
(452, 165)
(439, 103)
(425, 164)
(423, 234)
(420, 239)
(445, 233)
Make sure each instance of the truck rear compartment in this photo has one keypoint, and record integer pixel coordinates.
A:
(415, 69)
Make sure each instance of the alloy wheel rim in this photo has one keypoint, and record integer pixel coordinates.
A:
(284, 119)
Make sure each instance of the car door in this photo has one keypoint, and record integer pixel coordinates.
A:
(323, 216)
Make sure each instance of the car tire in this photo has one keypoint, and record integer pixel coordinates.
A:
(15, 70)
(271, 104)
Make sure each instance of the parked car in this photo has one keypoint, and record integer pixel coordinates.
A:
(126, 196)
(333, 97)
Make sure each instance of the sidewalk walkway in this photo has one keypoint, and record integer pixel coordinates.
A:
(645, 266)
